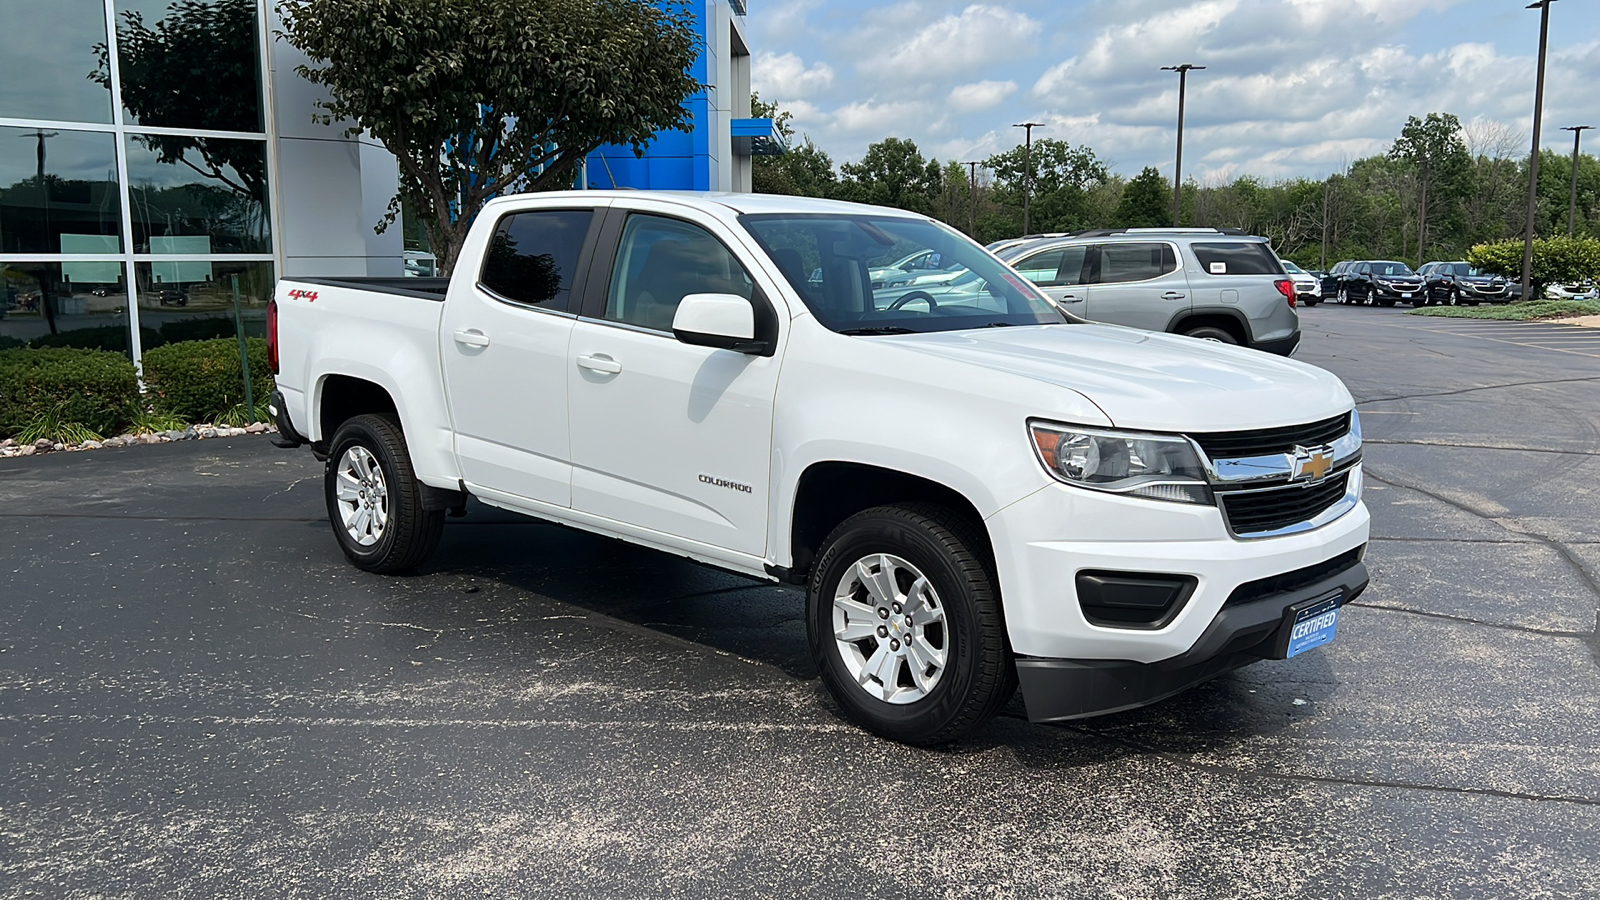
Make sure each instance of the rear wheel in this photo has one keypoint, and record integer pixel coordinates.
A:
(904, 621)
(375, 500)
(1344, 295)
(1212, 333)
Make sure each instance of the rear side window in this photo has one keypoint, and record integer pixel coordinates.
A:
(1236, 258)
(534, 255)
(1135, 261)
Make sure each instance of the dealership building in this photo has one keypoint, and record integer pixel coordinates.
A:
(160, 167)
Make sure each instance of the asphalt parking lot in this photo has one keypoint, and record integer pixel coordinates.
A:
(199, 698)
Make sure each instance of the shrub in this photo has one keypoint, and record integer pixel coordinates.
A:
(6, 343)
(110, 337)
(94, 388)
(201, 380)
(1556, 260)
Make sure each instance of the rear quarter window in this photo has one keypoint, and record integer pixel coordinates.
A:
(1236, 258)
(533, 256)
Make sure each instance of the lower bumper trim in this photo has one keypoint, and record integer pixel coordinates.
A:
(1281, 346)
(1059, 689)
(286, 437)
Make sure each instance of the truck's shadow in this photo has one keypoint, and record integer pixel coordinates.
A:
(763, 622)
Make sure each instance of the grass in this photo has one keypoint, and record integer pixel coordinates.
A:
(1516, 312)
(147, 422)
(54, 427)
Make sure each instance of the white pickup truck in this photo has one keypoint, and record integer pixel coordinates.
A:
(976, 489)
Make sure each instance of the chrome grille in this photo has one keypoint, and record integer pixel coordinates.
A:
(1267, 441)
(1269, 509)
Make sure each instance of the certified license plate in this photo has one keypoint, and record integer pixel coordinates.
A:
(1406, 296)
(1314, 625)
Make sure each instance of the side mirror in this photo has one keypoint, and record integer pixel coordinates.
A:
(724, 321)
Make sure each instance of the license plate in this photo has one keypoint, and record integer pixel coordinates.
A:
(1314, 625)
(1406, 296)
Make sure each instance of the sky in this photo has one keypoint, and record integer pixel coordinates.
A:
(1292, 87)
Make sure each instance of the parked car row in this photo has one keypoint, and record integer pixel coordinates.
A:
(1386, 282)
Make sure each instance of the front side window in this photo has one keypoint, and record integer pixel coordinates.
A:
(533, 256)
(828, 259)
(659, 262)
(1236, 258)
(1135, 261)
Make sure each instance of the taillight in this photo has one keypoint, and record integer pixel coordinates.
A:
(272, 335)
(1286, 288)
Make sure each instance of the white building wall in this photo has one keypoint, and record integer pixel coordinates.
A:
(330, 191)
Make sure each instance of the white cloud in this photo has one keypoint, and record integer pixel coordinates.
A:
(979, 36)
(785, 76)
(980, 95)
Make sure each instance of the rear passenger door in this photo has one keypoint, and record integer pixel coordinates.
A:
(503, 343)
(1136, 283)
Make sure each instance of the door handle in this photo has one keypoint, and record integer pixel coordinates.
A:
(1172, 295)
(472, 337)
(1069, 298)
(600, 363)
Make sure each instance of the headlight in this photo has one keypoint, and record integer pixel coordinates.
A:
(1159, 467)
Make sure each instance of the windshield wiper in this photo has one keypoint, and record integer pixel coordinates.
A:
(880, 329)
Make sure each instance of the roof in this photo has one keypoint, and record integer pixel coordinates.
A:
(739, 202)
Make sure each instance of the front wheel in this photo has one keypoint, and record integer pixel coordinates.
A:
(375, 500)
(1211, 333)
(904, 621)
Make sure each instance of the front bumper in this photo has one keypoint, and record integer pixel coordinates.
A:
(1242, 633)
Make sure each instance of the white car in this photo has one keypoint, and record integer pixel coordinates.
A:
(1307, 287)
(974, 490)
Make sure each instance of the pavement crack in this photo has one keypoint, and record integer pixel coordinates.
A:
(1468, 620)
(1456, 446)
(1471, 390)
(1218, 769)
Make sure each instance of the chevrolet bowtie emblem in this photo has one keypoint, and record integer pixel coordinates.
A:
(1311, 463)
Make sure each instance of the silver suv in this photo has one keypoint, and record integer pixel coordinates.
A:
(1216, 284)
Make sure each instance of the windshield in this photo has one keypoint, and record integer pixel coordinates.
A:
(1292, 269)
(830, 262)
(1391, 269)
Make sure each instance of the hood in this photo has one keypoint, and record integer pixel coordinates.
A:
(1147, 380)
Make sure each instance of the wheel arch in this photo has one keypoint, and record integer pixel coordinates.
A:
(1230, 320)
(830, 491)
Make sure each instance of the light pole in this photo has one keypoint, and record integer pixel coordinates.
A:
(1543, 6)
(1027, 174)
(972, 197)
(1572, 199)
(1177, 169)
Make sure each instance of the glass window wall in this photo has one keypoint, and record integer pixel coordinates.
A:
(52, 65)
(193, 300)
(198, 195)
(190, 63)
(58, 191)
(53, 304)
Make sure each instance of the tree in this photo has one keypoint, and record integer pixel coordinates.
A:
(1434, 149)
(803, 171)
(892, 173)
(476, 98)
(1063, 176)
(1146, 201)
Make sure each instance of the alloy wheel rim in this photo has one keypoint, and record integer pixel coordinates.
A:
(889, 629)
(363, 496)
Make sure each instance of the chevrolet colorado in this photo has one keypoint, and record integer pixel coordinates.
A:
(975, 488)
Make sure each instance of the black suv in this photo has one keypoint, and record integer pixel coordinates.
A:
(1383, 282)
(1457, 283)
(1330, 279)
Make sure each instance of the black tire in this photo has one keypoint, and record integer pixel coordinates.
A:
(978, 677)
(1212, 333)
(411, 533)
(1343, 296)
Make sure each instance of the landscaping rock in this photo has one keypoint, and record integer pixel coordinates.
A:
(208, 432)
(58, 446)
(7, 444)
(173, 435)
(257, 428)
(190, 434)
(92, 445)
(27, 450)
(43, 446)
(111, 442)
(151, 438)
